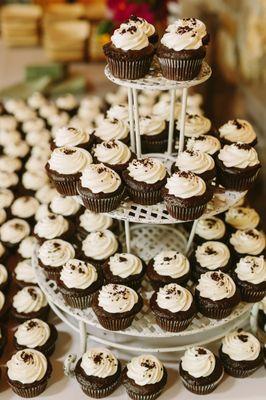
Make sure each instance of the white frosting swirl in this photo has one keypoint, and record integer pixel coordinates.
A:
(56, 252)
(24, 272)
(2, 300)
(129, 38)
(238, 130)
(185, 185)
(118, 111)
(27, 366)
(93, 222)
(3, 274)
(212, 255)
(210, 228)
(36, 100)
(140, 23)
(198, 362)
(174, 298)
(6, 198)
(78, 274)
(100, 179)
(251, 269)
(17, 149)
(34, 138)
(27, 247)
(215, 285)
(66, 102)
(7, 137)
(195, 125)
(112, 152)
(65, 206)
(32, 333)
(69, 160)
(48, 109)
(162, 109)
(46, 194)
(205, 143)
(24, 113)
(242, 218)
(34, 180)
(8, 179)
(10, 164)
(51, 226)
(2, 216)
(58, 120)
(171, 263)
(29, 299)
(33, 125)
(8, 123)
(14, 230)
(70, 136)
(125, 265)
(249, 241)
(184, 34)
(99, 362)
(100, 245)
(237, 156)
(2, 250)
(241, 346)
(151, 126)
(24, 207)
(115, 298)
(42, 212)
(145, 369)
(148, 170)
(110, 129)
(194, 161)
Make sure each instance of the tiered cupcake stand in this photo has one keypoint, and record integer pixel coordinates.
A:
(153, 230)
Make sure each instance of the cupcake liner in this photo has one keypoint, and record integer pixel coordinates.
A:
(154, 146)
(130, 69)
(102, 205)
(170, 325)
(201, 389)
(185, 213)
(66, 185)
(115, 324)
(139, 396)
(52, 274)
(215, 313)
(250, 295)
(180, 69)
(79, 302)
(28, 392)
(235, 182)
(145, 198)
(100, 392)
(239, 373)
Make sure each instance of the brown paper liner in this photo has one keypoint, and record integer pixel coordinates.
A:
(130, 69)
(180, 69)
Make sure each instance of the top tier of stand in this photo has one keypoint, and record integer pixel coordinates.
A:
(155, 81)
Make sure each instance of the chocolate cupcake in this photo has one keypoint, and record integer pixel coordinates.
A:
(36, 334)
(237, 166)
(204, 143)
(201, 164)
(125, 269)
(33, 138)
(200, 370)
(66, 136)
(144, 180)
(216, 294)
(116, 306)
(114, 154)
(98, 372)
(186, 195)
(210, 256)
(173, 307)
(129, 53)
(46, 194)
(24, 274)
(99, 246)
(250, 278)
(65, 166)
(161, 109)
(28, 372)
(36, 100)
(154, 134)
(66, 206)
(93, 222)
(118, 111)
(29, 302)
(8, 123)
(144, 25)
(25, 207)
(242, 218)
(67, 103)
(13, 232)
(168, 267)
(112, 129)
(33, 181)
(8, 180)
(53, 254)
(27, 247)
(241, 354)
(6, 198)
(237, 130)
(78, 282)
(210, 228)
(144, 377)
(10, 164)
(51, 227)
(182, 49)
(195, 126)
(33, 125)
(247, 242)
(4, 278)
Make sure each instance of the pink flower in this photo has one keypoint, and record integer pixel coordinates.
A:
(122, 9)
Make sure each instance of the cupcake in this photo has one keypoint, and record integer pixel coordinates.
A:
(19, 149)
(65, 206)
(47, 110)
(262, 319)
(24, 274)
(36, 334)
(209, 228)
(114, 154)
(242, 218)
(118, 111)
(3, 277)
(237, 166)
(29, 302)
(144, 377)
(6, 198)
(3, 305)
(33, 138)
(28, 372)
(167, 267)
(129, 53)
(33, 125)
(78, 281)
(46, 194)
(65, 166)
(161, 109)
(3, 216)
(250, 278)
(67, 103)
(10, 164)
(237, 130)
(53, 254)
(247, 242)
(125, 269)
(25, 207)
(200, 370)
(36, 100)
(8, 180)
(27, 247)
(204, 143)
(195, 126)
(116, 306)
(210, 256)
(56, 121)
(8, 123)
(144, 25)
(52, 227)
(93, 222)
(240, 353)
(186, 195)
(98, 372)
(201, 164)
(182, 49)
(216, 294)
(144, 180)
(33, 181)
(154, 134)
(110, 129)
(100, 188)
(97, 247)
(67, 136)
(14, 231)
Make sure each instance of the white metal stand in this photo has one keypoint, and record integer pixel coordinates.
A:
(182, 120)
(171, 121)
(131, 119)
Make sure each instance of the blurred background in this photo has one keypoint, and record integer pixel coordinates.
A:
(56, 47)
